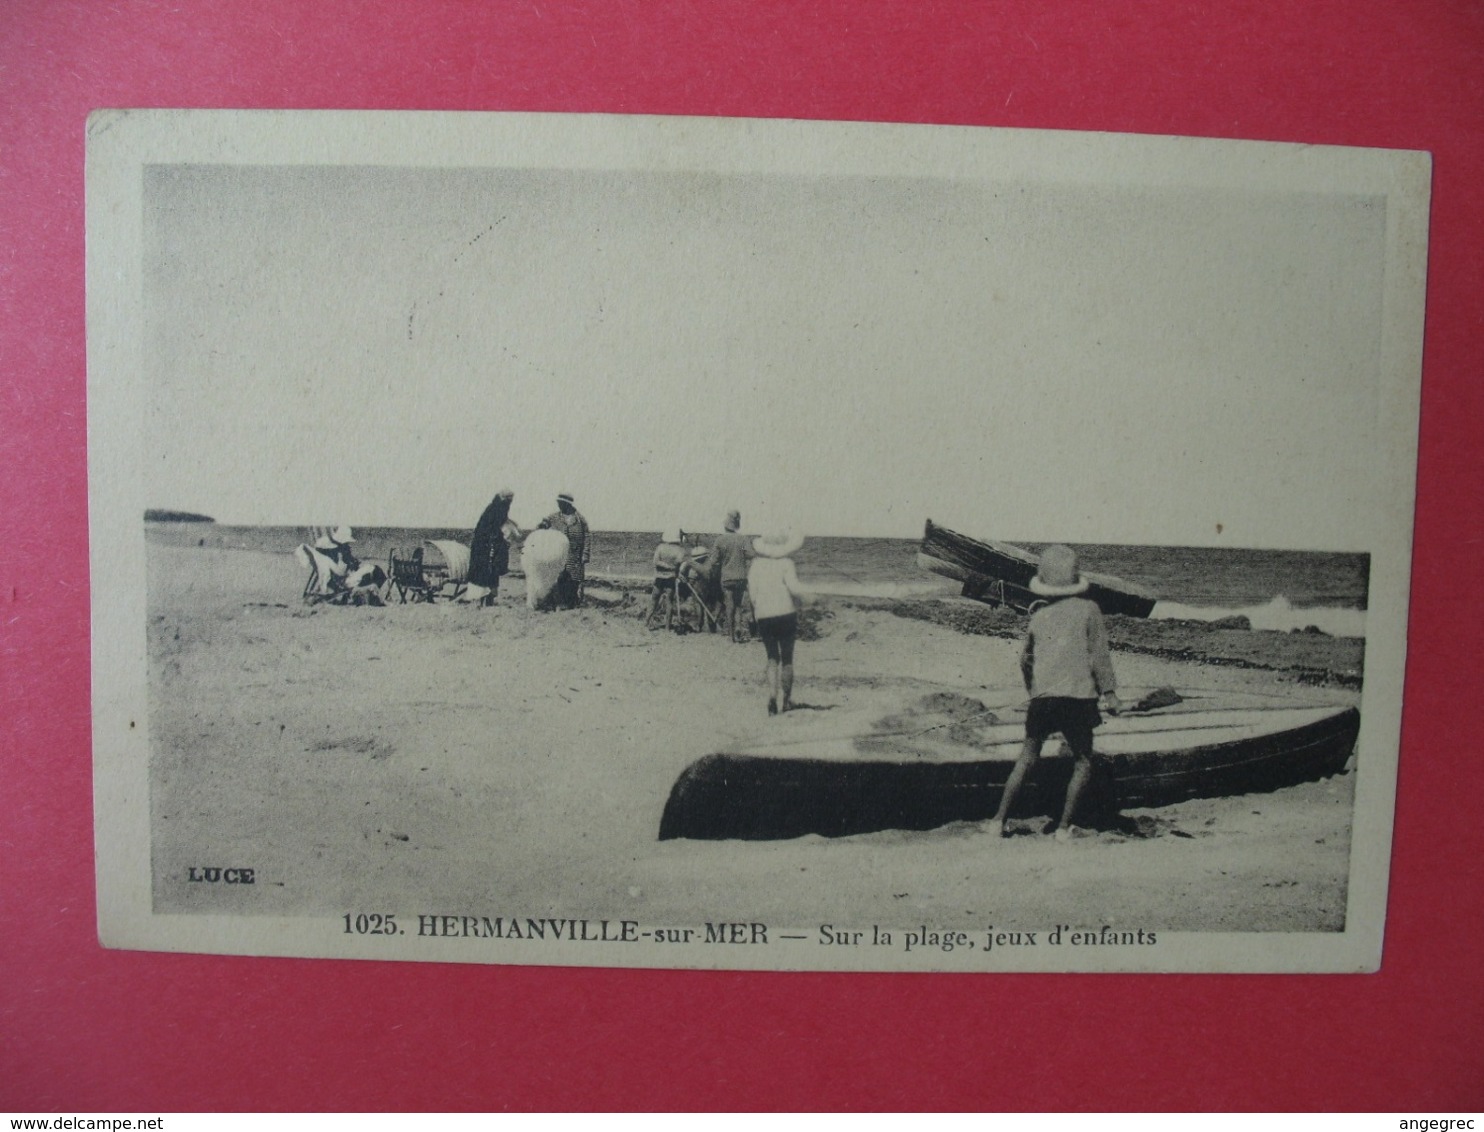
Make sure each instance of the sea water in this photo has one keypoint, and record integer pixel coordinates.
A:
(1273, 589)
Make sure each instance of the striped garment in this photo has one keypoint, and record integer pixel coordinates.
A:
(574, 526)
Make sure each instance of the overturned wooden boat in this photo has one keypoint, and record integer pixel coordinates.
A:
(926, 766)
(999, 573)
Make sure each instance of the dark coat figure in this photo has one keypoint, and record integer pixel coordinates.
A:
(489, 553)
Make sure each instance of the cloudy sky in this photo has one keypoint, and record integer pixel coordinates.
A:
(1026, 360)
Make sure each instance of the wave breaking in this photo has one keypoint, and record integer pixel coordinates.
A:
(1278, 615)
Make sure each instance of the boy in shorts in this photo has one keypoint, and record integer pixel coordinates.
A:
(1067, 668)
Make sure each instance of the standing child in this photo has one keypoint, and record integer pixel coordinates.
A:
(1066, 667)
(774, 585)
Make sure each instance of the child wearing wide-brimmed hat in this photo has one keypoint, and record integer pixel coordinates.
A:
(1067, 668)
(773, 584)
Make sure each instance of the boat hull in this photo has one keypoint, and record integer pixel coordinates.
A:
(1000, 574)
(768, 796)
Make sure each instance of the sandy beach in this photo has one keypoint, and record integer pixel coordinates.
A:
(442, 757)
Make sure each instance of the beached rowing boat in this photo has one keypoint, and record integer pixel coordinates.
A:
(945, 758)
(999, 573)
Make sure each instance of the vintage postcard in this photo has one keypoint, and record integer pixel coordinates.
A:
(620, 541)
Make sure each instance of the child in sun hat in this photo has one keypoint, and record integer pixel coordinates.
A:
(669, 556)
(773, 584)
(1067, 667)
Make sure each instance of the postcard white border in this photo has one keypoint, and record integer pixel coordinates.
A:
(122, 143)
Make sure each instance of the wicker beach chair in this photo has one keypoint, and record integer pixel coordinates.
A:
(407, 578)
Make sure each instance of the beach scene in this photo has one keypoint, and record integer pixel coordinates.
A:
(777, 530)
(407, 748)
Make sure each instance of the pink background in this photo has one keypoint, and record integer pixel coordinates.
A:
(81, 1028)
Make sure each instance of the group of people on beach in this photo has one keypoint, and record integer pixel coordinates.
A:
(715, 575)
(495, 533)
(1064, 660)
(336, 571)
(736, 573)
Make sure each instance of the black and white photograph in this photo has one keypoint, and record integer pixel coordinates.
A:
(616, 541)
